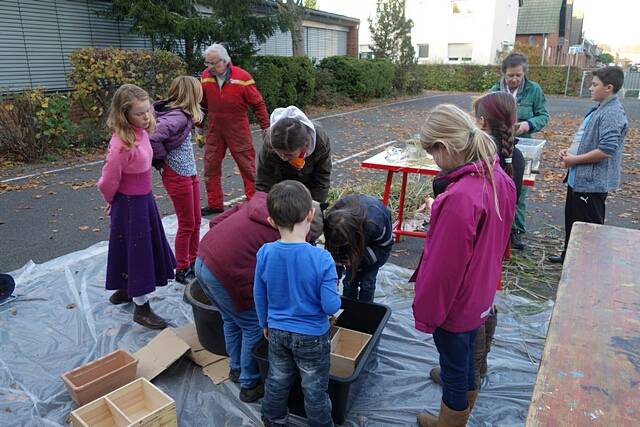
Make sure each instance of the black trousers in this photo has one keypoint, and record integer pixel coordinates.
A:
(585, 207)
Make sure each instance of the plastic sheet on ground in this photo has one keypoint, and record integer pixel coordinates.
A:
(62, 319)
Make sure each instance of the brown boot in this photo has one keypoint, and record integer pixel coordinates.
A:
(489, 330)
(472, 395)
(434, 374)
(119, 297)
(143, 315)
(446, 418)
(479, 356)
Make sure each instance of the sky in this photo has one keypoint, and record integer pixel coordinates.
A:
(613, 22)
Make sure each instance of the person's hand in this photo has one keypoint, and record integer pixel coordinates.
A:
(265, 332)
(569, 160)
(522, 128)
(107, 209)
(563, 153)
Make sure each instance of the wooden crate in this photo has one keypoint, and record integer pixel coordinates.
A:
(136, 404)
(95, 379)
(346, 347)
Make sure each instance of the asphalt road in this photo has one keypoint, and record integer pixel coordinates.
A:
(53, 213)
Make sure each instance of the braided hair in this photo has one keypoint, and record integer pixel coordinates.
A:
(499, 111)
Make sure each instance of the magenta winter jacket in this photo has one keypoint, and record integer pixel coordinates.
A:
(461, 263)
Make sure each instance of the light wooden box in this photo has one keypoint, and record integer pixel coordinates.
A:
(346, 347)
(136, 404)
(108, 373)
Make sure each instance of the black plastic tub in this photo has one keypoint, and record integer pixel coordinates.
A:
(206, 316)
(369, 318)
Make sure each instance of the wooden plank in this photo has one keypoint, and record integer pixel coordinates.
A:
(590, 368)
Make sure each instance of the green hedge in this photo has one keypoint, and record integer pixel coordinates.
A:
(360, 79)
(285, 81)
(480, 78)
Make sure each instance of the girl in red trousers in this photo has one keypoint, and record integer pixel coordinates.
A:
(468, 234)
(139, 257)
(173, 155)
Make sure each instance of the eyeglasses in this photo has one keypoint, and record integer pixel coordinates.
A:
(212, 64)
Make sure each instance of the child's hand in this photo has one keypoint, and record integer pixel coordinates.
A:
(265, 332)
(568, 160)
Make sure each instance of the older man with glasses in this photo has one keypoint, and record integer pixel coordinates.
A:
(228, 91)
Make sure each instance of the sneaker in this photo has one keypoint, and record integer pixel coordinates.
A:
(234, 375)
(249, 395)
(556, 259)
(206, 211)
(182, 275)
(268, 423)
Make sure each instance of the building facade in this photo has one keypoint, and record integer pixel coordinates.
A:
(555, 28)
(462, 31)
(38, 37)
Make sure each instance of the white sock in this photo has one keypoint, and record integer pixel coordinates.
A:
(141, 300)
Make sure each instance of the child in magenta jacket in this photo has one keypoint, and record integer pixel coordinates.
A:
(173, 155)
(140, 257)
(468, 234)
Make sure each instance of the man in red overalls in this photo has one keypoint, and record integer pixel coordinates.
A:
(228, 91)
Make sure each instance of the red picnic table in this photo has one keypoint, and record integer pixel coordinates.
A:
(425, 166)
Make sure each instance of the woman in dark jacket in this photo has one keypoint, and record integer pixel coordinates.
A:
(295, 148)
(359, 236)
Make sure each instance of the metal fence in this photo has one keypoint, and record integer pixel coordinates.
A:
(630, 89)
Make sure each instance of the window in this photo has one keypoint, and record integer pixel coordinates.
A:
(460, 52)
(423, 51)
(532, 40)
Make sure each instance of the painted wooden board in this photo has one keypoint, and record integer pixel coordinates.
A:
(590, 369)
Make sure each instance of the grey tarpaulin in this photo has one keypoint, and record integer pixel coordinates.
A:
(62, 319)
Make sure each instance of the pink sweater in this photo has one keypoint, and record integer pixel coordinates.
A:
(127, 171)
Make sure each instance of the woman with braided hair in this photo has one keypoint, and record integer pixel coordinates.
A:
(496, 114)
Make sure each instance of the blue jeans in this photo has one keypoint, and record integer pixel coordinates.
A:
(290, 353)
(456, 366)
(242, 330)
(364, 287)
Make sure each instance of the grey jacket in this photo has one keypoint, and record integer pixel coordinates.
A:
(606, 131)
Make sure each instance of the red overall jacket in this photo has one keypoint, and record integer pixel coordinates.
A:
(227, 107)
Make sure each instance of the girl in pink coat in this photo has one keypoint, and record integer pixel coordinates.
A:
(468, 234)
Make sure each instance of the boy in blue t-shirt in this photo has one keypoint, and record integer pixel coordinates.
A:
(295, 290)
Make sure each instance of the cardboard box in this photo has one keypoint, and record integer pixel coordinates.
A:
(95, 379)
(164, 349)
(346, 348)
(138, 404)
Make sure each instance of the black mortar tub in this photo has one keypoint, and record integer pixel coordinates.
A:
(207, 318)
(369, 318)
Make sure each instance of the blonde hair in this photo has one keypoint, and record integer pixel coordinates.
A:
(185, 93)
(121, 103)
(459, 135)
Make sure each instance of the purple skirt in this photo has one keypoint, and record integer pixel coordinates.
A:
(140, 257)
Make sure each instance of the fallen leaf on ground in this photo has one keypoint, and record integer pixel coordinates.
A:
(83, 227)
